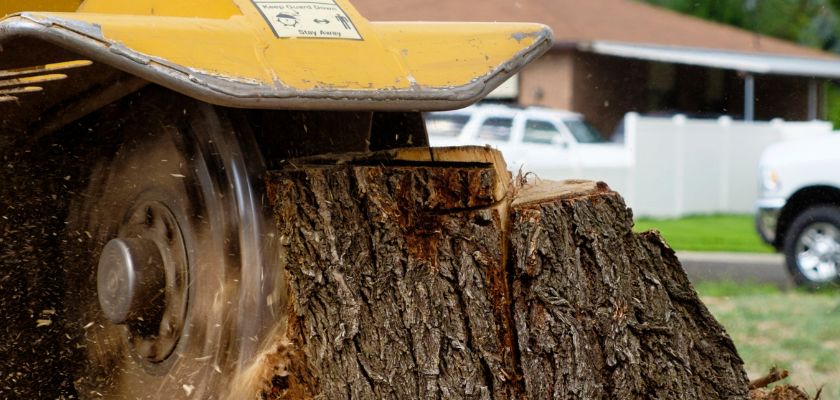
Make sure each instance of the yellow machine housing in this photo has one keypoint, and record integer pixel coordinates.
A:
(259, 53)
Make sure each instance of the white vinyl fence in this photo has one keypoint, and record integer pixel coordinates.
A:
(690, 166)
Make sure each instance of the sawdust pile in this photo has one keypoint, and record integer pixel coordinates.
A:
(782, 392)
(759, 388)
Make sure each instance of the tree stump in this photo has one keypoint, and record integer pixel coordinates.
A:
(424, 273)
(602, 312)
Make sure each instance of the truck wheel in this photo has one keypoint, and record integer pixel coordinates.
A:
(175, 279)
(812, 247)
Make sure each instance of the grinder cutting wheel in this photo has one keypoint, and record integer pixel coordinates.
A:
(139, 258)
(181, 245)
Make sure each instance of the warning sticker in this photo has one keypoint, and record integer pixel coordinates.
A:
(322, 19)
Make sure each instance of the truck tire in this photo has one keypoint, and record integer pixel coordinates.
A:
(812, 247)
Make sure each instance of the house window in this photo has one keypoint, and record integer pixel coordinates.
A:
(497, 129)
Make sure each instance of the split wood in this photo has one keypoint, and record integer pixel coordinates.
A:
(424, 274)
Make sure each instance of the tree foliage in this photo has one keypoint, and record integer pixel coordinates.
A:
(813, 23)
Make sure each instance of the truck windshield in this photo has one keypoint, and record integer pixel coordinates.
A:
(449, 125)
(497, 128)
(542, 132)
(583, 132)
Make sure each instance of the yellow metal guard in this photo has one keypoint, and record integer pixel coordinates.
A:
(287, 54)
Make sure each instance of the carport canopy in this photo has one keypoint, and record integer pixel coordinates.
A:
(744, 62)
(755, 63)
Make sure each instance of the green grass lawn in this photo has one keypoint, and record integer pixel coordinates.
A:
(795, 330)
(727, 233)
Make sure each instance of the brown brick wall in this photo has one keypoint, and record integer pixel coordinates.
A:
(548, 81)
(604, 88)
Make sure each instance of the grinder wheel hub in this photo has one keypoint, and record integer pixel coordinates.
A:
(142, 281)
(130, 280)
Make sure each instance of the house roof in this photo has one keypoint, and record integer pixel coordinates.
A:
(575, 22)
(757, 63)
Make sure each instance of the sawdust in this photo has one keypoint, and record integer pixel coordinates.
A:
(759, 388)
(782, 392)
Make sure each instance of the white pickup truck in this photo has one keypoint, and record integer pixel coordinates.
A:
(553, 144)
(798, 209)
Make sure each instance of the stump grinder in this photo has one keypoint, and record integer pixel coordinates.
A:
(138, 256)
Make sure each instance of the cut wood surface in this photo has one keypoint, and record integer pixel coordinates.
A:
(426, 274)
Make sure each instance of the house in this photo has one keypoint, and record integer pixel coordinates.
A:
(616, 56)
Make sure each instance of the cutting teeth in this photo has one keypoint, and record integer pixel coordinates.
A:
(31, 79)
(40, 69)
(21, 90)
(17, 81)
(5, 94)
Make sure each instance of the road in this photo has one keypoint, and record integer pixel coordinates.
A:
(737, 267)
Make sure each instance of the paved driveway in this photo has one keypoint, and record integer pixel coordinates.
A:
(737, 267)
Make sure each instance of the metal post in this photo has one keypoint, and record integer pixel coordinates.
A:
(813, 107)
(749, 97)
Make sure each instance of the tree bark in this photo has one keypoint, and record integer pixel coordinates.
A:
(602, 312)
(425, 274)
